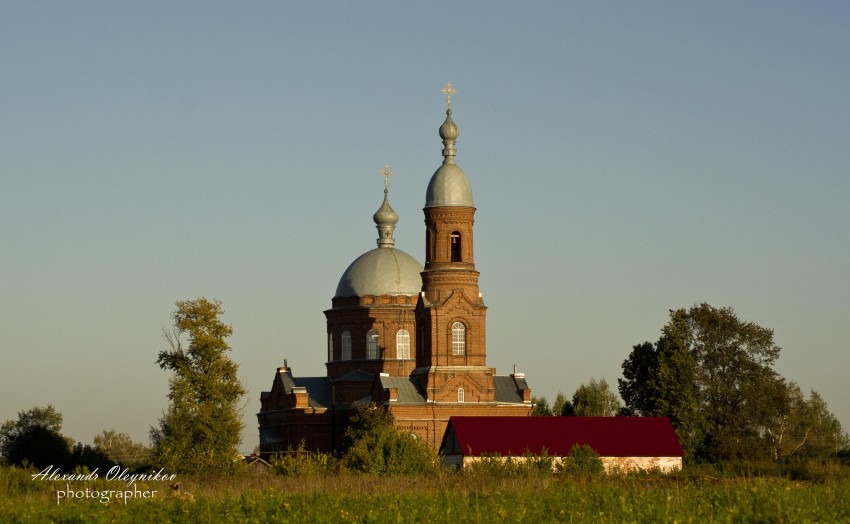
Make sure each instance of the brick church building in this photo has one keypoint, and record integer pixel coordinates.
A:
(402, 335)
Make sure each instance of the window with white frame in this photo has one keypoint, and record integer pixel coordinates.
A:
(330, 347)
(346, 345)
(402, 344)
(458, 339)
(460, 395)
(372, 347)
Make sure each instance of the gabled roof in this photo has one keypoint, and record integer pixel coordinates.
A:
(508, 389)
(608, 436)
(406, 390)
(318, 388)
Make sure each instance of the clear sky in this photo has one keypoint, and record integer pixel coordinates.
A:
(626, 158)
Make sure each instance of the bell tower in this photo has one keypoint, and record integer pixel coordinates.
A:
(451, 312)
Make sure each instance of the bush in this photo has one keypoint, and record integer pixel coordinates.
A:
(373, 445)
(525, 466)
(582, 461)
(303, 463)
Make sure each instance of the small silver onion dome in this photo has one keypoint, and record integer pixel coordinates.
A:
(449, 130)
(385, 220)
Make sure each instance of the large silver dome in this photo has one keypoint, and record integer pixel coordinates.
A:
(381, 271)
(449, 187)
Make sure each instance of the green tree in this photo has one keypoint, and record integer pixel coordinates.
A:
(595, 399)
(121, 449)
(84, 455)
(562, 407)
(660, 380)
(540, 407)
(711, 374)
(201, 429)
(373, 445)
(35, 438)
(805, 428)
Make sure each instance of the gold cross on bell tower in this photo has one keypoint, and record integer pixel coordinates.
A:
(449, 91)
(387, 174)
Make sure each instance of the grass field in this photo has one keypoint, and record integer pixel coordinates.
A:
(445, 497)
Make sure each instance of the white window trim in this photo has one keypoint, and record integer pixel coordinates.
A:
(458, 339)
(402, 344)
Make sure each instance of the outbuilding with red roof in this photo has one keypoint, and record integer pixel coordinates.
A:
(623, 443)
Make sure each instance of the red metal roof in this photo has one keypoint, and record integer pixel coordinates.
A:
(608, 436)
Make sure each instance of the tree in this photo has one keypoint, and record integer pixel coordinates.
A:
(638, 385)
(562, 407)
(540, 407)
(373, 445)
(711, 374)
(805, 428)
(660, 380)
(121, 449)
(90, 457)
(201, 429)
(595, 399)
(35, 438)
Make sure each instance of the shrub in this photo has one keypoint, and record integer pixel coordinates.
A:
(582, 461)
(373, 445)
(303, 463)
(525, 466)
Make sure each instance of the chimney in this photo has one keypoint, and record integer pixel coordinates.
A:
(301, 398)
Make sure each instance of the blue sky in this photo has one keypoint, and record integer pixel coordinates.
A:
(625, 159)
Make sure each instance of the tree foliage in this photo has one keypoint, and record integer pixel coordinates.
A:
(90, 457)
(373, 445)
(120, 448)
(540, 407)
(805, 427)
(201, 429)
(595, 399)
(35, 438)
(562, 407)
(711, 374)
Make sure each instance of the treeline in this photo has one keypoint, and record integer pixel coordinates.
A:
(36, 439)
(712, 375)
(709, 372)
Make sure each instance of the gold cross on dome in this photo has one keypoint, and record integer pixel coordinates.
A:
(387, 174)
(449, 91)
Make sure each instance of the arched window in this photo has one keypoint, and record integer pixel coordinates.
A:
(458, 339)
(346, 345)
(402, 344)
(330, 347)
(455, 246)
(460, 394)
(372, 348)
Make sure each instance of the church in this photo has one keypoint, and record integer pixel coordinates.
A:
(408, 337)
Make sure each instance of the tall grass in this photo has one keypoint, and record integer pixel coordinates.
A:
(698, 494)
